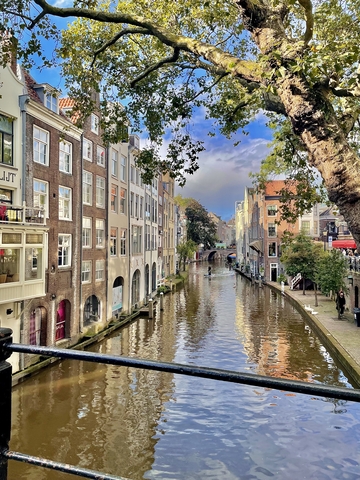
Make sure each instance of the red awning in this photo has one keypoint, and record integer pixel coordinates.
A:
(344, 244)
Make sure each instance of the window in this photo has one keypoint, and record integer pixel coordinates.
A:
(114, 163)
(113, 199)
(100, 156)
(100, 233)
(86, 233)
(136, 206)
(51, 102)
(113, 242)
(94, 123)
(123, 169)
(86, 271)
(87, 150)
(147, 237)
(272, 249)
(305, 227)
(64, 249)
(100, 192)
(41, 146)
(6, 140)
(271, 230)
(131, 204)
(65, 157)
(41, 198)
(123, 201)
(271, 210)
(137, 181)
(99, 269)
(64, 203)
(123, 241)
(316, 227)
(87, 188)
(147, 205)
(141, 207)
(132, 174)
(136, 239)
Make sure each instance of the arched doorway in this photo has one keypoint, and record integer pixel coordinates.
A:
(117, 296)
(153, 277)
(62, 320)
(91, 310)
(147, 279)
(37, 327)
(135, 288)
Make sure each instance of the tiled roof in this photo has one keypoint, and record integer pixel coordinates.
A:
(29, 83)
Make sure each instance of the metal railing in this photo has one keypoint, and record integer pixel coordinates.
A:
(7, 348)
(22, 214)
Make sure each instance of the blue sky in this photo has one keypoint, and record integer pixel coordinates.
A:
(224, 169)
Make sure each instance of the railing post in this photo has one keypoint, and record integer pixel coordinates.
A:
(5, 400)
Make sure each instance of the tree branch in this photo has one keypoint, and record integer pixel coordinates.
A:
(247, 70)
(156, 66)
(307, 6)
(112, 41)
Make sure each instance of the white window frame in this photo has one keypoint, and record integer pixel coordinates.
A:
(123, 168)
(123, 235)
(64, 246)
(37, 195)
(87, 149)
(113, 241)
(41, 140)
(276, 247)
(65, 203)
(94, 127)
(87, 187)
(86, 232)
(100, 155)
(114, 204)
(100, 232)
(100, 192)
(99, 270)
(273, 226)
(51, 101)
(65, 157)
(86, 268)
(123, 196)
(114, 163)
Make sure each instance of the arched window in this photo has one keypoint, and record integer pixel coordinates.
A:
(153, 277)
(91, 310)
(117, 295)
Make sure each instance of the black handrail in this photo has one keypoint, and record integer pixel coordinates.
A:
(7, 347)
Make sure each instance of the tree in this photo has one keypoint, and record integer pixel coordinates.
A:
(332, 272)
(200, 228)
(231, 58)
(301, 255)
(185, 251)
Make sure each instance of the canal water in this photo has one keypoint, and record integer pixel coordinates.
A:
(141, 424)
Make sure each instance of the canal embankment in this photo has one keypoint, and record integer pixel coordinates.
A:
(341, 337)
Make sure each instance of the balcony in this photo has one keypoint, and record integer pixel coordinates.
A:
(13, 214)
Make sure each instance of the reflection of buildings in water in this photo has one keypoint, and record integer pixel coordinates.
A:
(274, 336)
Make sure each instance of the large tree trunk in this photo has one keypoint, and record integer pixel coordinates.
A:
(311, 114)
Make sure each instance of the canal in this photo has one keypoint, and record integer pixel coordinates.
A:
(150, 425)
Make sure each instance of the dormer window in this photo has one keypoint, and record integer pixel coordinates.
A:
(95, 123)
(51, 101)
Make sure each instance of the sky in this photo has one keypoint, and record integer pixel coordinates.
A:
(224, 168)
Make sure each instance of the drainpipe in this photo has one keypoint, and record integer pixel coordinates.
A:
(129, 227)
(81, 310)
(23, 102)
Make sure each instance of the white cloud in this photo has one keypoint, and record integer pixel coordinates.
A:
(224, 174)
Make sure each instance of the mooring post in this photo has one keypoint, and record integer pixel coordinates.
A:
(151, 308)
(162, 301)
(5, 400)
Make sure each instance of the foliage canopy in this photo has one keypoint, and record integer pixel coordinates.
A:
(228, 58)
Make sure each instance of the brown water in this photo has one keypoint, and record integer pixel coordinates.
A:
(142, 424)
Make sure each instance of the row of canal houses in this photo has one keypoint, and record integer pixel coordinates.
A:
(259, 230)
(82, 239)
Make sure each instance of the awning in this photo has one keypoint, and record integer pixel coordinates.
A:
(256, 245)
(344, 244)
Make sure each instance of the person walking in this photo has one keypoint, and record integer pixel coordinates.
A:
(340, 303)
(209, 271)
